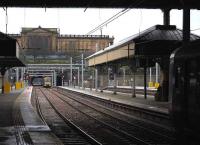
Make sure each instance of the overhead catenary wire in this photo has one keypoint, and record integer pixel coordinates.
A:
(109, 20)
(122, 12)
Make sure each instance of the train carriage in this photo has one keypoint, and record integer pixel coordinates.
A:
(184, 92)
(47, 82)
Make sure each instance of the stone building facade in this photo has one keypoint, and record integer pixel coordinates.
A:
(50, 39)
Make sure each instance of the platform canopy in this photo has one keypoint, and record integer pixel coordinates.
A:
(9, 49)
(155, 42)
(173, 4)
(11, 62)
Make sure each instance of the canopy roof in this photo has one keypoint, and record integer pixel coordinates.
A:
(155, 34)
(10, 62)
(173, 4)
(157, 41)
(9, 52)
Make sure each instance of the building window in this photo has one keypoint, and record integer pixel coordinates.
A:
(43, 42)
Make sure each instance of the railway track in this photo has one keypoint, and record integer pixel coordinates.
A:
(62, 127)
(98, 122)
(153, 116)
(150, 134)
(95, 128)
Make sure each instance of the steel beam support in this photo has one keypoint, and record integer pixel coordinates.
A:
(186, 26)
(166, 17)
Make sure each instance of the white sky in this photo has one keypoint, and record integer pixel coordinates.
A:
(76, 21)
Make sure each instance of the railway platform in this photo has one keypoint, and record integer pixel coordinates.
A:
(19, 123)
(126, 98)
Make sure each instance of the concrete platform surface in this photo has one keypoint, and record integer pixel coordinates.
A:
(126, 98)
(7, 130)
(20, 124)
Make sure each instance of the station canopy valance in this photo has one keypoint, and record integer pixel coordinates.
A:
(157, 41)
(9, 56)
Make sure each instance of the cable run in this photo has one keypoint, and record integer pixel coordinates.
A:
(114, 17)
(108, 21)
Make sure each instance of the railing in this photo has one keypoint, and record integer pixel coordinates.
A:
(85, 36)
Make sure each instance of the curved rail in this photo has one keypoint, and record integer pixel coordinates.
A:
(137, 111)
(130, 129)
(95, 106)
(120, 132)
(38, 108)
(67, 121)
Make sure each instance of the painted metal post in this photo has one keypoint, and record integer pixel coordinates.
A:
(78, 78)
(166, 17)
(150, 74)
(108, 76)
(124, 76)
(2, 87)
(186, 26)
(62, 76)
(22, 72)
(3, 70)
(115, 79)
(17, 74)
(145, 82)
(6, 76)
(70, 71)
(82, 77)
(96, 79)
(54, 78)
(133, 89)
(157, 67)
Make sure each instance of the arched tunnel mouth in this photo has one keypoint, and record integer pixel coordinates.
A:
(37, 81)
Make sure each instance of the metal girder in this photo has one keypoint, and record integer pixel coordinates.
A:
(41, 75)
(173, 4)
(50, 68)
(50, 65)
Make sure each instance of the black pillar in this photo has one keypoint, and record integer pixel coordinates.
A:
(166, 16)
(180, 112)
(3, 70)
(186, 26)
(133, 89)
(145, 82)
